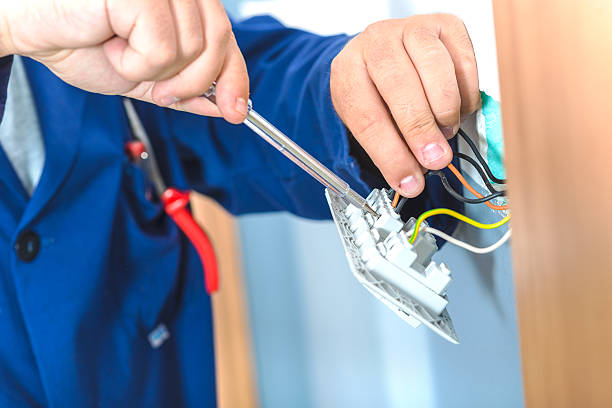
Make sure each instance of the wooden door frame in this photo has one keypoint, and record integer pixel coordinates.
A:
(235, 371)
(556, 84)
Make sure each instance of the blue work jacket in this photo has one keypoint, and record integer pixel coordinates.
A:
(111, 267)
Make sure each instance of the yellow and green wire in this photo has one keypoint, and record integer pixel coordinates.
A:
(461, 217)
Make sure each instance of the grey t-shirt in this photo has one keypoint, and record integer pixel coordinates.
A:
(20, 134)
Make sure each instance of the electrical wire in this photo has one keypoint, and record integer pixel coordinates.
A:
(395, 200)
(473, 190)
(479, 169)
(455, 214)
(465, 245)
(482, 161)
(479, 200)
(401, 204)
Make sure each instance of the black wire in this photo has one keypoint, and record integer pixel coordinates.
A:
(482, 161)
(460, 197)
(401, 204)
(479, 169)
(483, 171)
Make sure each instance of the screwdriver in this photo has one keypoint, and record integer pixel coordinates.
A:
(299, 156)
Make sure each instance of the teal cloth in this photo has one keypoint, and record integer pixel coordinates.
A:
(494, 135)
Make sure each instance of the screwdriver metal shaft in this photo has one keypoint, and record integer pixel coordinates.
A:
(299, 156)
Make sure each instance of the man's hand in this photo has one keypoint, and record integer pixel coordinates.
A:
(163, 51)
(401, 87)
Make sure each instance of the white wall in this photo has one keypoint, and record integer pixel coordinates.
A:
(323, 341)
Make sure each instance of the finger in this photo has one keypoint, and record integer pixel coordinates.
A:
(456, 38)
(436, 71)
(199, 106)
(233, 86)
(399, 85)
(190, 30)
(198, 76)
(363, 111)
(146, 46)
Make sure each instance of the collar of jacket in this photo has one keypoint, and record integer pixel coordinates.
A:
(60, 109)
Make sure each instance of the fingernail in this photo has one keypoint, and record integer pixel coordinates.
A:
(241, 106)
(448, 132)
(409, 185)
(169, 100)
(432, 153)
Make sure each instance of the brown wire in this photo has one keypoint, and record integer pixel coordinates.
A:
(473, 190)
(396, 198)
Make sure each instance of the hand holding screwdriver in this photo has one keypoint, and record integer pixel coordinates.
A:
(165, 52)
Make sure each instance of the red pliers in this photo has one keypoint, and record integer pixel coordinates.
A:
(175, 202)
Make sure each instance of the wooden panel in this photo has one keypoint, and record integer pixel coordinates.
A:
(236, 385)
(556, 87)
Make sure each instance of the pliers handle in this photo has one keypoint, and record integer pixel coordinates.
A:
(176, 206)
(176, 202)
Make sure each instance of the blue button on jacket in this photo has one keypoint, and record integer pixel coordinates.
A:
(112, 267)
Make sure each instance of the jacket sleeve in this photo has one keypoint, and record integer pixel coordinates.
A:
(289, 72)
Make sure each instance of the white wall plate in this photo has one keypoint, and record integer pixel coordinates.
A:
(399, 274)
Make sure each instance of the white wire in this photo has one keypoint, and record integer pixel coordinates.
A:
(467, 246)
